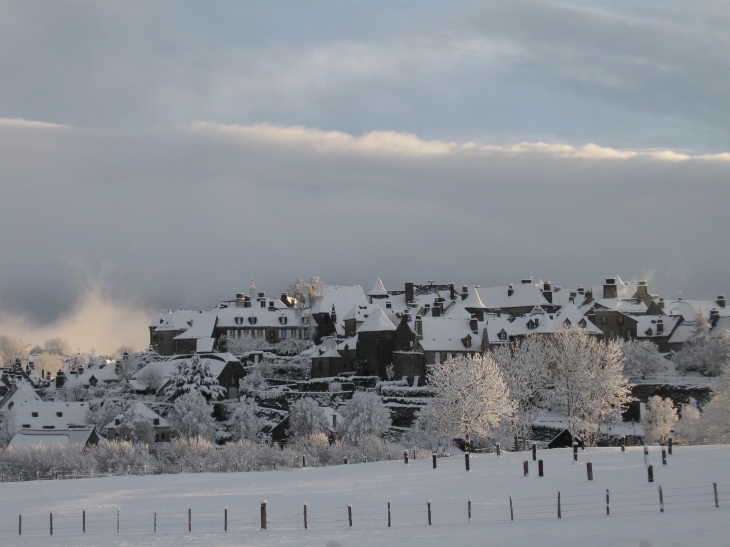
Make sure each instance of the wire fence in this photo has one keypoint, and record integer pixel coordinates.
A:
(561, 505)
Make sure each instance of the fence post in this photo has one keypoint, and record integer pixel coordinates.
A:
(468, 506)
(669, 446)
(388, 456)
(664, 457)
(190, 520)
(526, 468)
(117, 520)
(589, 469)
(560, 514)
(345, 460)
(575, 451)
(388, 514)
(349, 514)
(20, 525)
(304, 461)
(225, 519)
(499, 450)
(534, 452)
(434, 460)
(650, 473)
(264, 521)
(661, 500)
(365, 459)
(646, 454)
(623, 443)
(83, 521)
(305, 516)
(608, 507)
(429, 512)
(155, 523)
(511, 509)
(405, 457)
(539, 468)
(414, 454)
(466, 460)
(51, 523)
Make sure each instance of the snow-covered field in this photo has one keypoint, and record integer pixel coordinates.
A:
(690, 516)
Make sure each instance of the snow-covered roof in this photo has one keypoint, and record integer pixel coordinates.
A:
(378, 289)
(142, 410)
(202, 327)
(173, 321)
(722, 325)
(37, 414)
(216, 363)
(328, 348)
(446, 334)
(524, 295)
(629, 306)
(51, 437)
(538, 322)
(343, 298)
(256, 317)
(472, 300)
(204, 344)
(22, 392)
(377, 321)
(646, 325)
(456, 310)
(690, 308)
(107, 373)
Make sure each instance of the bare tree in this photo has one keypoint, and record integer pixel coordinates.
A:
(57, 346)
(12, 348)
(151, 377)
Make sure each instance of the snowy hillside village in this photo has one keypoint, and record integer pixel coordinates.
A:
(337, 372)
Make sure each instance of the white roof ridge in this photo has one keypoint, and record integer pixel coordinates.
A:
(377, 321)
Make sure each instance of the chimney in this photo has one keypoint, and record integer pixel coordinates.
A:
(436, 310)
(609, 288)
(409, 292)
(661, 303)
(464, 292)
(452, 291)
(474, 324)
(407, 315)
(388, 305)
(526, 281)
(60, 379)
(721, 301)
(239, 300)
(714, 316)
(333, 315)
(246, 301)
(285, 300)
(510, 290)
(334, 421)
(419, 327)
(547, 291)
(642, 289)
(581, 290)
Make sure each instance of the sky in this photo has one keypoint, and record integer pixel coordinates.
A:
(158, 155)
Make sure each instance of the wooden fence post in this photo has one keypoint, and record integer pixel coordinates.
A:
(661, 500)
(717, 501)
(575, 451)
(154, 524)
(540, 468)
(83, 521)
(650, 473)
(646, 454)
(664, 457)
(608, 507)
(669, 446)
(304, 461)
(305, 516)
(589, 469)
(560, 514)
(190, 520)
(264, 520)
(429, 512)
(623, 443)
(534, 452)
(499, 450)
(414, 454)
(388, 514)
(466, 460)
(349, 514)
(511, 509)
(225, 519)
(405, 457)
(526, 468)
(117, 520)
(468, 505)
(20, 525)
(51, 523)
(434, 460)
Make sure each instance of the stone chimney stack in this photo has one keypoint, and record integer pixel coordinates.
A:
(473, 323)
(609, 288)
(721, 301)
(409, 293)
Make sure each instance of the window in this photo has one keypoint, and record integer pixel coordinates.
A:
(155, 421)
(34, 414)
(283, 319)
(612, 334)
(604, 320)
(649, 332)
(620, 319)
(437, 357)
(502, 335)
(530, 324)
(252, 320)
(582, 323)
(263, 303)
(117, 421)
(239, 320)
(59, 414)
(49, 427)
(659, 328)
(567, 323)
(157, 437)
(26, 426)
(629, 334)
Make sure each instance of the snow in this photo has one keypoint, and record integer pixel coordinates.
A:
(343, 298)
(378, 289)
(202, 326)
(690, 517)
(446, 334)
(525, 294)
(142, 410)
(48, 414)
(216, 363)
(377, 321)
(43, 437)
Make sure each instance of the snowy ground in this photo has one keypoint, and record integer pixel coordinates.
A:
(690, 516)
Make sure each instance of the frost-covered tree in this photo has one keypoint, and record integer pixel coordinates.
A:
(12, 348)
(304, 294)
(252, 382)
(244, 344)
(642, 359)
(524, 366)
(471, 397)
(588, 382)
(46, 362)
(73, 391)
(716, 414)
(8, 427)
(364, 414)
(194, 375)
(135, 428)
(191, 416)
(101, 412)
(306, 417)
(659, 419)
(243, 423)
(57, 346)
(703, 352)
(151, 377)
(688, 429)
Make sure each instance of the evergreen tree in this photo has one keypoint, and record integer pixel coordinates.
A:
(194, 375)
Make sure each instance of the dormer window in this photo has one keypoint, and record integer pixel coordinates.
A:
(649, 332)
(117, 421)
(466, 341)
(263, 303)
(283, 319)
(156, 421)
(34, 414)
(252, 320)
(502, 335)
(582, 324)
(239, 320)
(531, 324)
(567, 323)
(59, 414)
(190, 323)
(659, 328)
